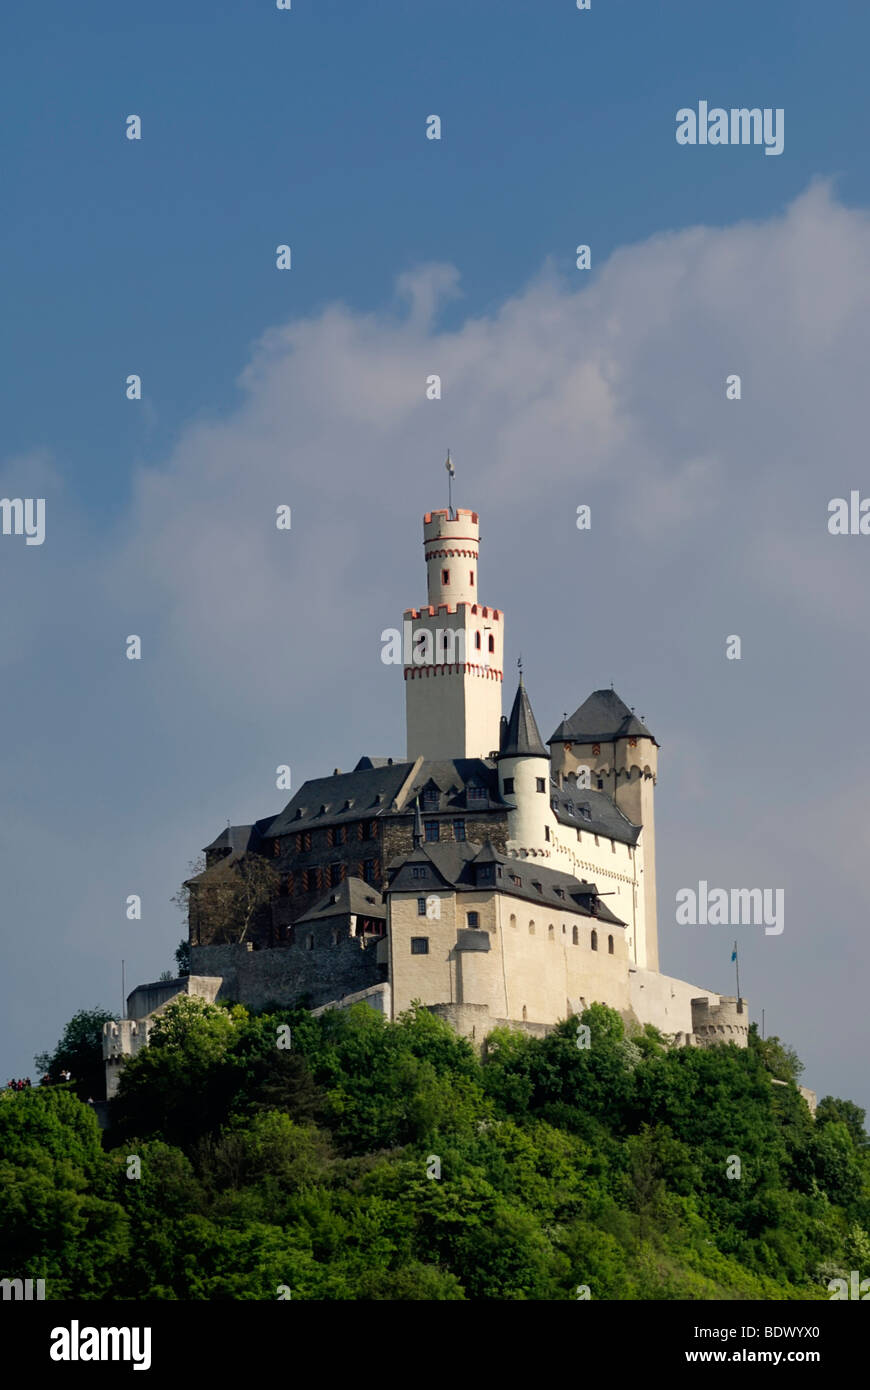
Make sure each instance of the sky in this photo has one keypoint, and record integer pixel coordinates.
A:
(561, 387)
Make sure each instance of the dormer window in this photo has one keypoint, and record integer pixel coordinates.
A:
(430, 799)
(476, 792)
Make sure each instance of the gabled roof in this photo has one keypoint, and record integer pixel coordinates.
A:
(455, 865)
(351, 897)
(365, 792)
(600, 719)
(520, 736)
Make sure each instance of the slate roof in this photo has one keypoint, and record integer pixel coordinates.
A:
(600, 719)
(602, 815)
(454, 865)
(352, 896)
(520, 736)
(369, 791)
(365, 792)
(239, 838)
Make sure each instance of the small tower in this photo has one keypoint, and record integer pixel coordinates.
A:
(453, 648)
(606, 737)
(524, 779)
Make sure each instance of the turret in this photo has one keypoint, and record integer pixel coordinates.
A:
(524, 779)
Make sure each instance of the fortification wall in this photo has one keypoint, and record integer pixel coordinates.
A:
(287, 973)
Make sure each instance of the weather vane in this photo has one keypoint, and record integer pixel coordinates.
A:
(451, 473)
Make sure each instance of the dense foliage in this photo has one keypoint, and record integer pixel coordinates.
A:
(369, 1160)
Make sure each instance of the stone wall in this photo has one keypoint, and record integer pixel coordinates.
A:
(288, 973)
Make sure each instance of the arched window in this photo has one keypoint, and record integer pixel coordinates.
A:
(477, 640)
(610, 945)
(491, 643)
(594, 939)
(575, 936)
(531, 928)
(525, 1013)
(513, 919)
(550, 933)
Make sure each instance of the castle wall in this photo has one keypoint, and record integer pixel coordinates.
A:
(286, 974)
(530, 970)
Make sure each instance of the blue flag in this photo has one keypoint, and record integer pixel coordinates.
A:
(733, 955)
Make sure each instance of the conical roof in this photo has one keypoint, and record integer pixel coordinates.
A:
(520, 736)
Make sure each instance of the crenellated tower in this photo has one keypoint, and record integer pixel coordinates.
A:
(453, 648)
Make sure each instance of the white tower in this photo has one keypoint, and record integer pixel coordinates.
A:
(454, 649)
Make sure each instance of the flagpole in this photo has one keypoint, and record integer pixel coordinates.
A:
(737, 968)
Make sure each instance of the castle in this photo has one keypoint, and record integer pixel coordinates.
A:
(492, 878)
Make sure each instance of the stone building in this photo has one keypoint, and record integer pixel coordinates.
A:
(492, 877)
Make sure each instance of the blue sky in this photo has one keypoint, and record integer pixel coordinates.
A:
(158, 257)
(263, 126)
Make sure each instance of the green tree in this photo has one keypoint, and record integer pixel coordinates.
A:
(80, 1051)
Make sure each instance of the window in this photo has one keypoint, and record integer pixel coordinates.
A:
(574, 936)
(546, 832)
(491, 643)
(310, 942)
(560, 892)
(419, 871)
(477, 640)
(515, 878)
(303, 840)
(421, 907)
(370, 870)
(476, 792)
(540, 785)
(509, 786)
(445, 576)
(371, 832)
(600, 784)
(471, 581)
(335, 874)
(430, 799)
(335, 937)
(513, 919)
(610, 945)
(525, 1013)
(419, 945)
(531, 928)
(330, 836)
(551, 935)
(459, 830)
(569, 807)
(474, 919)
(309, 881)
(596, 839)
(594, 939)
(613, 846)
(431, 828)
